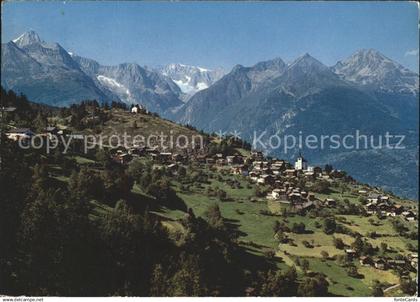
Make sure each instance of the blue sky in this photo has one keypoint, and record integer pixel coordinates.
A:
(212, 34)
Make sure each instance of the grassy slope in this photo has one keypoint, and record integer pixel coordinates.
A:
(257, 228)
(244, 216)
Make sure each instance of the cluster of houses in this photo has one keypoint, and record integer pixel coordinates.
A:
(26, 133)
(382, 205)
(124, 156)
(282, 177)
(279, 175)
(384, 263)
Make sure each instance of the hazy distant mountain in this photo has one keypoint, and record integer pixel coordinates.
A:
(307, 97)
(47, 73)
(191, 79)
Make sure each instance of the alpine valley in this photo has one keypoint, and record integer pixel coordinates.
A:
(367, 92)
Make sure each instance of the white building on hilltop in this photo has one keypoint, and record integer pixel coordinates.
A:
(301, 163)
(137, 108)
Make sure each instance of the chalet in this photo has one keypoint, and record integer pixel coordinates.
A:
(365, 261)
(384, 198)
(122, 158)
(21, 133)
(379, 263)
(290, 172)
(257, 155)
(350, 253)
(295, 197)
(278, 184)
(414, 258)
(383, 206)
(329, 202)
(275, 194)
(240, 170)
(370, 208)
(265, 179)
(50, 131)
(138, 151)
(165, 156)
(409, 215)
(311, 196)
(248, 161)
(234, 159)
(201, 158)
(220, 162)
(210, 161)
(286, 184)
(275, 170)
(325, 176)
(253, 178)
(278, 165)
(302, 207)
(306, 206)
(257, 165)
(152, 151)
(266, 170)
(373, 197)
(309, 175)
(398, 209)
(63, 132)
(396, 262)
(172, 167)
(177, 157)
(218, 156)
(254, 174)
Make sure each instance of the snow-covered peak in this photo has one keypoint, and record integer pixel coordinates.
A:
(184, 68)
(27, 38)
(191, 79)
(370, 67)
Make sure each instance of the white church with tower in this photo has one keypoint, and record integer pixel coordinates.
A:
(301, 163)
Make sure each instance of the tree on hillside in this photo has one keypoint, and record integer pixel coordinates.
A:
(316, 286)
(408, 286)
(298, 228)
(321, 186)
(324, 255)
(338, 243)
(329, 225)
(278, 283)
(377, 290)
(214, 216)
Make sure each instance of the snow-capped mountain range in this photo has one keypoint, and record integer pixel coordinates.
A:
(47, 73)
(191, 79)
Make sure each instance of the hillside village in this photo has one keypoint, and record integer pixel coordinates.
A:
(290, 190)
